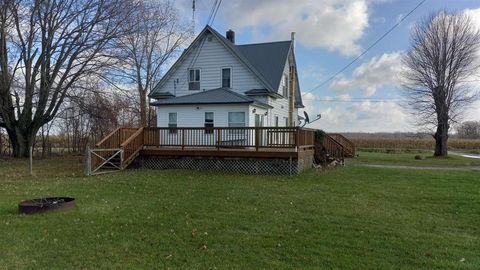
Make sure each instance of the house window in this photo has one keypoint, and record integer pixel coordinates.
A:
(194, 79)
(227, 77)
(236, 120)
(209, 124)
(172, 122)
(285, 86)
(276, 121)
(286, 121)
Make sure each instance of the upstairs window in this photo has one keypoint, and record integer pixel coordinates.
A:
(285, 86)
(227, 77)
(172, 122)
(209, 122)
(194, 79)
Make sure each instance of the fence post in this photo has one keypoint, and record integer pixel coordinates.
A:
(88, 162)
(30, 163)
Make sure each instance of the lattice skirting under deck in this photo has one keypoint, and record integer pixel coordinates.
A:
(237, 165)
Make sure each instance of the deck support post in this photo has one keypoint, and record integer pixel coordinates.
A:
(183, 138)
(257, 138)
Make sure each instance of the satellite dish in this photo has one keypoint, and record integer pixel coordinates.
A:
(307, 119)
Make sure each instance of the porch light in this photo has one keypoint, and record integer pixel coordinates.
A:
(254, 110)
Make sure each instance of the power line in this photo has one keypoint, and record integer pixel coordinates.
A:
(369, 47)
(354, 99)
(213, 12)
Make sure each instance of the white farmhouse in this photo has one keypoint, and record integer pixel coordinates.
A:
(218, 83)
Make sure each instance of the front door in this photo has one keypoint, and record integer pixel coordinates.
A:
(259, 120)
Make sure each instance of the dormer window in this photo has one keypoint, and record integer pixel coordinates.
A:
(194, 79)
(227, 77)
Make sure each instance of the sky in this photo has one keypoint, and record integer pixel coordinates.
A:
(367, 96)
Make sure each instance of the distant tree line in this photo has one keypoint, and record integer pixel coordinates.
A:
(469, 130)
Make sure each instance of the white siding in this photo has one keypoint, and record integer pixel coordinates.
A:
(258, 110)
(212, 57)
(190, 116)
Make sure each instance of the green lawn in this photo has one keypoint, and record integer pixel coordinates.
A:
(408, 159)
(347, 218)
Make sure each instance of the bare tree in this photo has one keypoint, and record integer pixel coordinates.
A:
(91, 111)
(46, 46)
(156, 35)
(442, 57)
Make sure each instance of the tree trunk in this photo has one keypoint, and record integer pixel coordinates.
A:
(441, 138)
(21, 140)
(143, 108)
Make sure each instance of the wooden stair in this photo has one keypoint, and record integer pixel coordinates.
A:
(337, 147)
(348, 146)
(116, 151)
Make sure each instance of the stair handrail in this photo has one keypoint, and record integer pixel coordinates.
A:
(344, 141)
(338, 145)
(131, 147)
(107, 137)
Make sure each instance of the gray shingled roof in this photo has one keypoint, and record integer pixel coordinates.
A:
(214, 96)
(268, 58)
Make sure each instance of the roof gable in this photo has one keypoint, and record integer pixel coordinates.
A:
(230, 47)
(265, 60)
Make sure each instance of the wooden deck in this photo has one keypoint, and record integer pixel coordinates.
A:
(122, 146)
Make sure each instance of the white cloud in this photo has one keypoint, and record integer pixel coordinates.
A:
(363, 116)
(336, 25)
(370, 76)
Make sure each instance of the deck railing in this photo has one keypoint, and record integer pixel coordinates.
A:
(119, 148)
(228, 137)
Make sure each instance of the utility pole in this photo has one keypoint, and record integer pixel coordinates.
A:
(193, 16)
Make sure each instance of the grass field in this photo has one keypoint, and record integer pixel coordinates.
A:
(348, 218)
(408, 159)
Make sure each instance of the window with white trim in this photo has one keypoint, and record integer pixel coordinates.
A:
(227, 77)
(285, 86)
(236, 119)
(194, 79)
(209, 122)
(172, 122)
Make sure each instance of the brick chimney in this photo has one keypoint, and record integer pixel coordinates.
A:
(230, 36)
